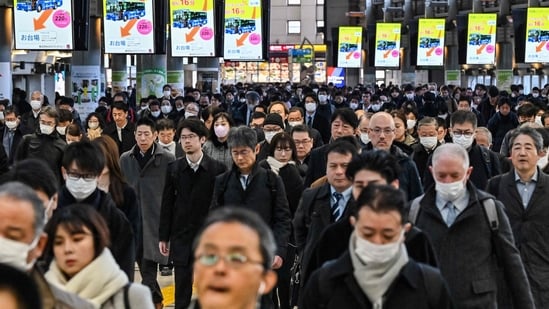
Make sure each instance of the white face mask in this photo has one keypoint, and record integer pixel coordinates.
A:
(464, 141)
(295, 123)
(269, 136)
(450, 191)
(81, 188)
(310, 107)
(410, 123)
(443, 116)
(164, 145)
(410, 96)
(61, 130)
(11, 124)
(180, 108)
(221, 131)
(15, 253)
(166, 109)
(364, 138)
(535, 94)
(371, 253)
(167, 93)
(189, 114)
(538, 120)
(353, 105)
(428, 142)
(376, 107)
(36, 104)
(155, 113)
(542, 162)
(93, 125)
(322, 98)
(46, 129)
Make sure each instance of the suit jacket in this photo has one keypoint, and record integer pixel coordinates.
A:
(316, 167)
(323, 126)
(334, 286)
(474, 262)
(530, 229)
(313, 216)
(128, 136)
(187, 195)
(17, 137)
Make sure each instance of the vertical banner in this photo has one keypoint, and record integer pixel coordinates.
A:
(537, 35)
(243, 30)
(481, 39)
(430, 49)
(349, 47)
(43, 24)
(152, 81)
(128, 26)
(387, 45)
(85, 88)
(192, 28)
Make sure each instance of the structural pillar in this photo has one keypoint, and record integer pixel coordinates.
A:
(6, 39)
(208, 74)
(175, 72)
(151, 75)
(119, 72)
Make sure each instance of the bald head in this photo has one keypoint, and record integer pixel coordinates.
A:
(382, 131)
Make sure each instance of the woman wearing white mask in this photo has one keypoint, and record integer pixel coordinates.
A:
(376, 271)
(94, 125)
(216, 146)
(402, 140)
(83, 263)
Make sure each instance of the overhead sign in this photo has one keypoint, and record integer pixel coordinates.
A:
(298, 55)
(128, 26)
(430, 49)
(336, 76)
(537, 35)
(192, 28)
(481, 39)
(43, 24)
(243, 31)
(387, 45)
(349, 47)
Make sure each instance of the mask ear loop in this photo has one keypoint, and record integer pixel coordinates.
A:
(260, 292)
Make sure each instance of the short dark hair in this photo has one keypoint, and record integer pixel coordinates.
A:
(99, 117)
(165, 124)
(66, 101)
(346, 115)
(194, 125)
(50, 112)
(302, 128)
(382, 199)
(297, 109)
(379, 161)
(242, 136)
(64, 115)
(87, 156)
(528, 131)
(34, 173)
(342, 146)
(20, 286)
(285, 140)
(252, 220)
(74, 218)
(119, 105)
(527, 110)
(461, 117)
(146, 121)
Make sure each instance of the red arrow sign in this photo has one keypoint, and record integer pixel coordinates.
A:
(125, 31)
(39, 23)
(387, 54)
(540, 46)
(240, 41)
(480, 49)
(349, 55)
(189, 37)
(430, 51)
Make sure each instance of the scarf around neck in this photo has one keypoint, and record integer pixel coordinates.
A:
(277, 165)
(97, 282)
(375, 279)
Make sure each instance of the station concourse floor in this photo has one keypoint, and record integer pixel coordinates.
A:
(166, 284)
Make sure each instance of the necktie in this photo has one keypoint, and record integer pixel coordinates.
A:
(336, 208)
(243, 180)
(451, 216)
(309, 121)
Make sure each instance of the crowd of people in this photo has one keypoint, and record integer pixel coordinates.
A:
(278, 196)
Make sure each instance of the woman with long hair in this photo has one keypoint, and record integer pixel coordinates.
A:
(95, 123)
(216, 146)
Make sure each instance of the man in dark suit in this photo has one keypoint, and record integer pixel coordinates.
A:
(121, 130)
(321, 206)
(188, 187)
(482, 266)
(523, 192)
(11, 133)
(313, 119)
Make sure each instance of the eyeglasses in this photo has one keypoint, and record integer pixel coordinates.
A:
(233, 260)
(462, 133)
(302, 142)
(188, 137)
(385, 131)
(77, 176)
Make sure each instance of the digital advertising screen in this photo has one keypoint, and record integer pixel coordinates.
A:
(537, 35)
(349, 49)
(430, 47)
(128, 26)
(192, 28)
(43, 24)
(481, 39)
(387, 45)
(243, 30)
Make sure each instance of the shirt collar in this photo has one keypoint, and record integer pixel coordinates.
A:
(460, 203)
(192, 165)
(533, 179)
(346, 194)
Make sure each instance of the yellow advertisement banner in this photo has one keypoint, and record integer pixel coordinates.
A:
(430, 51)
(349, 47)
(387, 53)
(481, 38)
(537, 35)
(192, 27)
(243, 30)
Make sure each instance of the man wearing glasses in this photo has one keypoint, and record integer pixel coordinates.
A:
(382, 135)
(303, 140)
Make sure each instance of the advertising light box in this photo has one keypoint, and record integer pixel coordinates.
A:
(243, 30)
(349, 49)
(128, 26)
(430, 49)
(387, 52)
(43, 24)
(481, 39)
(537, 35)
(192, 28)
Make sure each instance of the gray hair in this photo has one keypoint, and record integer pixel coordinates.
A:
(451, 150)
(21, 192)
(50, 111)
(535, 135)
(242, 136)
(252, 220)
(485, 131)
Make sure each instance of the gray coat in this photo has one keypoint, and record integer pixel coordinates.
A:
(138, 296)
(149, 185)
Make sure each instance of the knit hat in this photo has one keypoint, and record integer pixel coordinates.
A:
(275, 119)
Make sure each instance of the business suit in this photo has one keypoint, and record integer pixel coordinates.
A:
(322, 125)
(530, 229)
(15, 140)
(128, 136)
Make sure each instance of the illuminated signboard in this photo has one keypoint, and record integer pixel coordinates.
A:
(430, 48)
(243, 30)
(192, 28)
(537, 35)
(128, 26)
(481, 39)
(43, 24)
(387, 45)
(349, 47)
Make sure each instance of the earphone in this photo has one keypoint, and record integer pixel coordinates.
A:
(261, 288)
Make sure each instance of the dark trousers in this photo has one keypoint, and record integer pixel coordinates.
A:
(149, 271)
(281, 293)
(183, 286)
